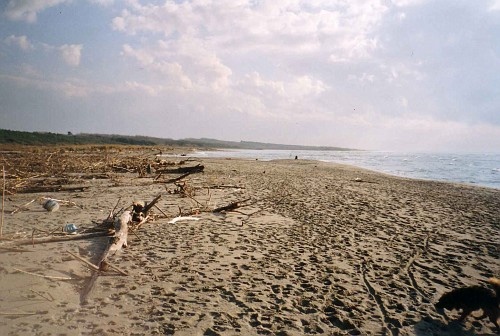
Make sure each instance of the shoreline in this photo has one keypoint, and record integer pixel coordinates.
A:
(319, 248)
(408, 174)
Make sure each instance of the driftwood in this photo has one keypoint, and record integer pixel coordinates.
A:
(226, 187)
(183, 218)
(140, 211)
(88, 263)
(121, 233)
(124, 168)
(117, 269)
(22, 313)
(184, 189)
(62, 238)
(43, 276)
(182, 170)
(58, 188)
(230, 206)
(175, 179)
(19, 208)
(164, 214)
(47, 297)
(150, 205)
(115, 243)
(138, 226)
(118, 241)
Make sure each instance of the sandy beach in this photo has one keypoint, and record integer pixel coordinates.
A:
(313, 248)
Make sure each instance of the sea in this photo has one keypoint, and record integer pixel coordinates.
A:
(480, 169)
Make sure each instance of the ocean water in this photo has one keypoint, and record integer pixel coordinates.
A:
(482, 169)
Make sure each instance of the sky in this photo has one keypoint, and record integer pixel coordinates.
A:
(395, 75)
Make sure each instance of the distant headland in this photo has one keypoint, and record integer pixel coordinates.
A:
(49, 138)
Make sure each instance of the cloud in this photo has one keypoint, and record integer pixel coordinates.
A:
(71, 53)
(67, 87)
(169, 71)
(20, 41)
(495, 5)
(405, 3)
(228, 48)
(289, 26)
(293, 90)
(27, 10)
(75, 88)
(103, 3)
(184, 62)
(363, 73)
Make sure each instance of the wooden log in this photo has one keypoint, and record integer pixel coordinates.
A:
(176, 178)
(150, 205)
(230, 206)
(226, 187)
(57, 188)
(115, 243)
(182, 170)
(121, 234)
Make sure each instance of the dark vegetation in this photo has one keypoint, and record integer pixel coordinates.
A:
(49, 138)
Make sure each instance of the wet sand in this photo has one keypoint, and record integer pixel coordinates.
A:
(318, 249)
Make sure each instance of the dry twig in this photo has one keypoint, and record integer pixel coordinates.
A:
(51, 298)
(44, 276)
(88, 263)
(19, 208)
(230, 206)
(17, 314)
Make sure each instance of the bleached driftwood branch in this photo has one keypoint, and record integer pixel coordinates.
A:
(181, 218)
(121, 233)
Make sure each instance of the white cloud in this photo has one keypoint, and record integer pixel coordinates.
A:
(103, 3)
(364, 78)
(150, 90)
(75, 88)
(293, 97)
(341, 28)
(29, 70)
(66, 87)
(71, 53)
(295, 89)
(405, 3)
(27, 10)
(143, 57)
(200, 44)
(20, 41)
(186, 62)
(368, 73)
(495, 5)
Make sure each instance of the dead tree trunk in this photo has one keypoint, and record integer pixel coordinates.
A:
(115, 243)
